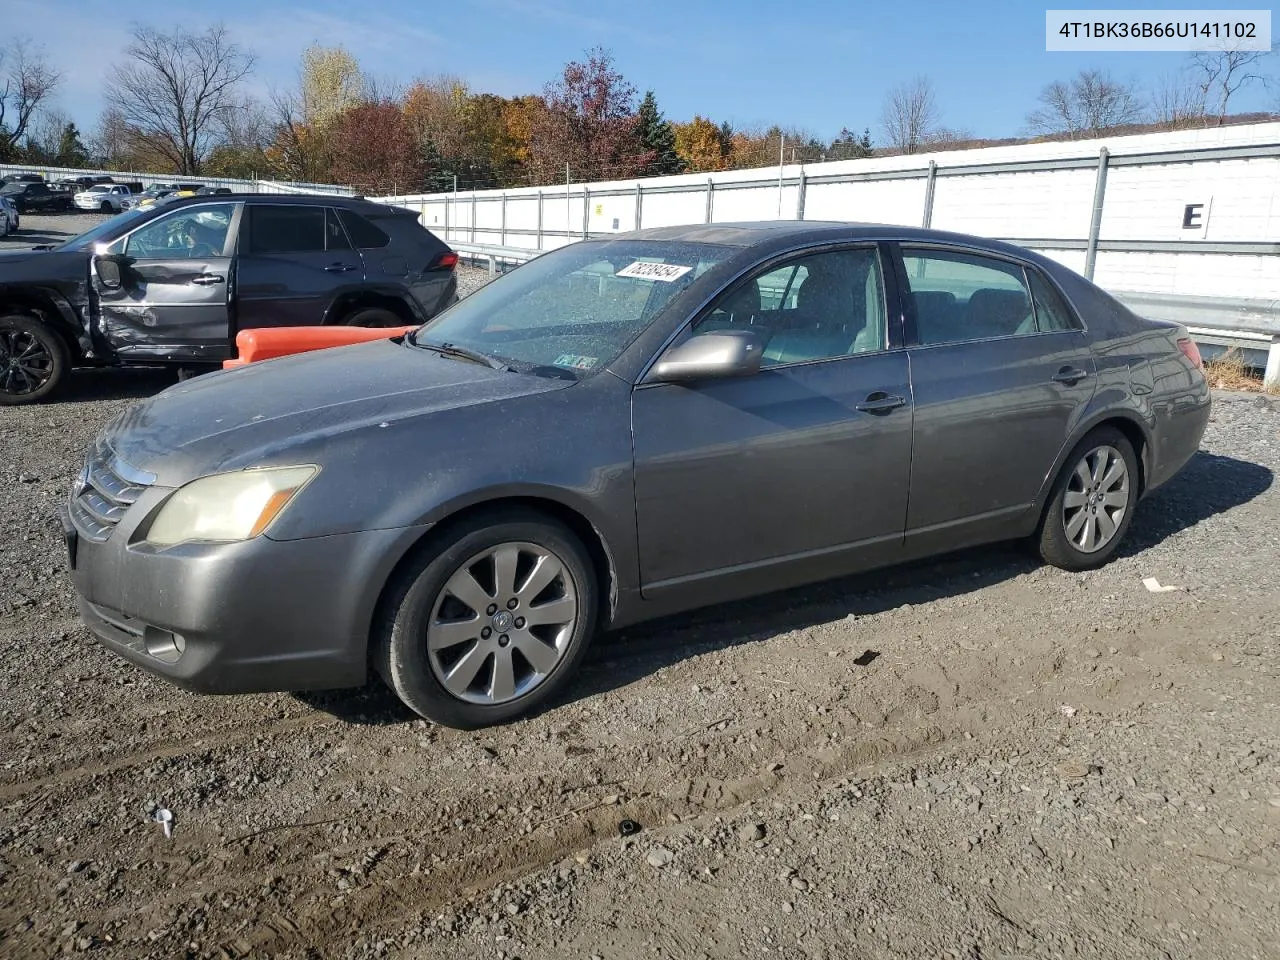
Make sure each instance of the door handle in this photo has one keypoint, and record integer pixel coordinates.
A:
(205, 279)
(1070, 375)
(880, 402)
(339, 268)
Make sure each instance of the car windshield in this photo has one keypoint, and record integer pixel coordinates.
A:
(108, 229)
(98, 189)
(572, 311)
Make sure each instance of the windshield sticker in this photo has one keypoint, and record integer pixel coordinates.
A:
(666, 272)
(575, 362)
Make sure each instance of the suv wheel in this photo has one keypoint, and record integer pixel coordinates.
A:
(33, 360)
(491, 622)
(372, 317)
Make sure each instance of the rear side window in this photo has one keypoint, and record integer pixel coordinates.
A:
(285, 229)
(1052, 312)
(364, 234)
(959, 297)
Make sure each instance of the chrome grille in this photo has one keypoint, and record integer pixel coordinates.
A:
(106, 488)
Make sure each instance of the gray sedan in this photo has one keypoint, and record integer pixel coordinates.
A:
(621, 429)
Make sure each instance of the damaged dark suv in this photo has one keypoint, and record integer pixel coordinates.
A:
(174, 284)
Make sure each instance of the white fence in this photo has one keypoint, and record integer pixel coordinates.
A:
(146, 179)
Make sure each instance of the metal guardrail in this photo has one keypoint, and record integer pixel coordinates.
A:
(1250, 326)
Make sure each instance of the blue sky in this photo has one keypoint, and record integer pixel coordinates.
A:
(821, 64)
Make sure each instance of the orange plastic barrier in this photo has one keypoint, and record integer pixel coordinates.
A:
(268, 342)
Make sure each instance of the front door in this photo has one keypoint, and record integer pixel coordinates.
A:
(797, 472)
(172, 302)
(1002, 373)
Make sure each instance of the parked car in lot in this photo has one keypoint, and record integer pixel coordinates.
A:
(618, 430)
(9, 214)
(174, 284)
(22, 178)
(158, 191)
(106, 197)
(36, 197)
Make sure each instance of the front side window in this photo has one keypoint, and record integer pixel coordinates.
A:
(959, 297)
(285, 229)
(189, 233)
(820, 306)
(574, 309)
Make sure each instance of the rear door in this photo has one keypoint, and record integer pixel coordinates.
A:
(1001, 373)
(172, 303)
(295, 261)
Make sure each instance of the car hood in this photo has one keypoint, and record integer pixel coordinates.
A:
(295, 408)
(35, 265)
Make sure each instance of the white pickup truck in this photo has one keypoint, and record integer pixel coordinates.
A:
(107, 197)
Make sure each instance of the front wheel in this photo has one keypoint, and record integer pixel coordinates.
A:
(489, 623)
(1092, 501)
(33, 360)
(106, 207)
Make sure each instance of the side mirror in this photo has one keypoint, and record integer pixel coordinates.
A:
(707, 356)
(110, 270)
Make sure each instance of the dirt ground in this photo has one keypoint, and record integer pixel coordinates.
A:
(977, 757)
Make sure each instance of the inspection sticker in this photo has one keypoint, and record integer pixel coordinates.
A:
(666, 272)
(576, 362)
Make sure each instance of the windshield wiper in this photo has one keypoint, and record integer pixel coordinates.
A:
(463, 353)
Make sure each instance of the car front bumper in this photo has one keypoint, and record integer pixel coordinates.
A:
(249, 617)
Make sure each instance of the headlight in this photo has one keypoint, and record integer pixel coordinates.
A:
(227, 506)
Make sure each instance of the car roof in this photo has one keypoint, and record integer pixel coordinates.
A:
(355, 204)
(754, 233)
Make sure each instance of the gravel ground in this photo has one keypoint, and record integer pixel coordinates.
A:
(50, 228)
(974, 757)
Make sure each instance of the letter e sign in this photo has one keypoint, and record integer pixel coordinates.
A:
(1195, 216)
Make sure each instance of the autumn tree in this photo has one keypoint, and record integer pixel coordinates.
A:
(26, 82)
(1086, 105)
(701, 145)
(756, 148)
(374, 149)
(330, 82)
(589, 123)
(910, 115)
(175, 88)
(658, 137)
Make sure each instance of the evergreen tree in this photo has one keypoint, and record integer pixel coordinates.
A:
(849, 146)
(658, 137)
(71, 151)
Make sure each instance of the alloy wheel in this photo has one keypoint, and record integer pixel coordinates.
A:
(1096, 499)
(502, 623)
(25, 363)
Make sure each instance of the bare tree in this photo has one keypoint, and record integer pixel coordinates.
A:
(26, 81)
(1087, 104)
(1221, 74)
(176, 89)
(1177, 101)
(44, 134)
(910, 115)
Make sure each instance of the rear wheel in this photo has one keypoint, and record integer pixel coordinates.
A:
(1092, 502)
(491, 623)
(33, 360)
(372, 317)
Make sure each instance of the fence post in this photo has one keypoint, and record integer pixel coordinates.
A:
(711, 192)
(446, 218)
(539, 219)
(1271, 377)
(930, 184)
(804, 181)
(503, 242)
(1095, 222)
(586, 208)
(473, 213)
(639, 204)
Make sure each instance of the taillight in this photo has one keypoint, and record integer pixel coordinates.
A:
(446, 261)
(1191, 352)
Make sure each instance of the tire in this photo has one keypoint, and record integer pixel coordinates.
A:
(106, 207)
(1091, 503)
(422, 610)
(372, 317)
(33, 360)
